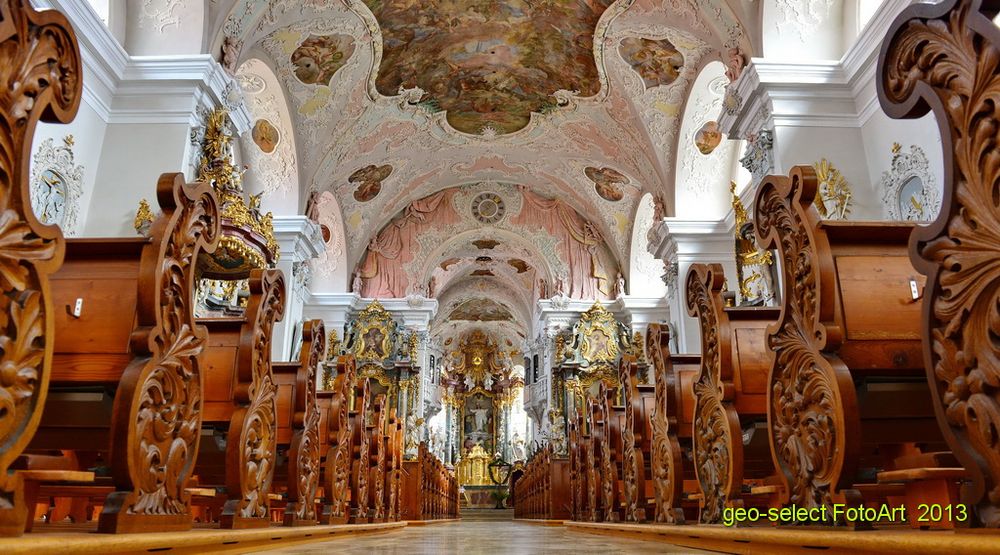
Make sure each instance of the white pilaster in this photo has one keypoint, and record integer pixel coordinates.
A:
(300, 240)
(681, 243)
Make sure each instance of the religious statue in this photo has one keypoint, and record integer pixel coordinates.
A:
(659, 208)
(411, 435)
(518, 447)
(557, 433)
(543, 289)
(560, 291)
(357, 283)
(754, 268)
(620, 285)
(482, 415)
(431, 286)
(230, 54)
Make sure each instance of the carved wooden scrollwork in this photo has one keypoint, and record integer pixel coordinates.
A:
(667, 469)
(304, 473)
(337, 474)
(360, 453)
(633, 464)
(252, 444)
(718, 443)
(946, 57)
(809, 388)
(156, 423)
(395, 452)
(40, 70)
(609, 473)
(377, 461)
(591, 445)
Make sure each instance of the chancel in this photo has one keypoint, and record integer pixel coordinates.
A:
(426, 276)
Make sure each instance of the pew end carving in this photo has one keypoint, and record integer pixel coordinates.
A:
(845, 348)
(41, 71)
(945, 58)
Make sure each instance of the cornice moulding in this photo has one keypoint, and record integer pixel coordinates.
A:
(298, 236)
(143, 89)
(821, 93)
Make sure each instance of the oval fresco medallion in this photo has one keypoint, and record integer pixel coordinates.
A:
(708, 137)
(265, 135)
(608, 183)
(658, 62)
(319, 57)
(369, 181)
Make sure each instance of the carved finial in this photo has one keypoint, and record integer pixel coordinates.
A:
(143, 218)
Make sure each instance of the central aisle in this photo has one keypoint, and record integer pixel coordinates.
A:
(483, 537)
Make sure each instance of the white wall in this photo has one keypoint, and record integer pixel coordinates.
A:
(804, 29)
(842, 147)
(163, 27)
(132, 159)
(880, 132)
(88, 132)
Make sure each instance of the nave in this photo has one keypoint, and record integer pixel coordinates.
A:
(499, 276)
(486, 537)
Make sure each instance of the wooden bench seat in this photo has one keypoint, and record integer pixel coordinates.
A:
(335, 405)
(239, 426)
(847, 383)
(128, 360)
(730, 392)
(957, 252)
(544, 489)
(298, 426)
(671, 423)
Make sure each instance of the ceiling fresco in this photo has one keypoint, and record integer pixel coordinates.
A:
(578, 102)
(480, 310)
(488, 64)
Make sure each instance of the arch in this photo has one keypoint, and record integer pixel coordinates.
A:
(644, 269)
(701, 189)
(269, 147)
(330, 267)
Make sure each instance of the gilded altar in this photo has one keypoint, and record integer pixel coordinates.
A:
(473, 469)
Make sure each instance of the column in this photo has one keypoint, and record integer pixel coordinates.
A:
(300, 240)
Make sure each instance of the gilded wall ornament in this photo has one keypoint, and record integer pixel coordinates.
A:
(909, 188)
(375, 333)
(56, 185)
(834, 198)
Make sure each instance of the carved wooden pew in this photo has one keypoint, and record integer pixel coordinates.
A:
(593, 456)
(33, 41)
(337, 458)
(124, 328)
(579, 440)
(608, 420)
(547, 488)
(298, 426)
(377, 461)
(429, 490)
(848, 387)
(393, 441)
(918, 71)
(730, 393)
(638, 495)
(360, 449)
(672, 424)
(240, 405)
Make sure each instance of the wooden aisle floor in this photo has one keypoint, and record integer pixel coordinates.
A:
(495, 537)
(71, 539)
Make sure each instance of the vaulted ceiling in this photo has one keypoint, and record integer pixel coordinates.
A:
(392, 101)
